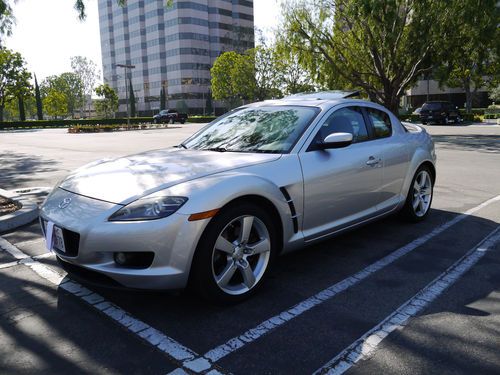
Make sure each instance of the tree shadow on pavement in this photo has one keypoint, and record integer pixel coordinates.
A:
(473, 142)
(17, 169)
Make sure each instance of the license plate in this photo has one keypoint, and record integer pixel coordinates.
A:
(54, 237)
(430, 117)
(58, 239)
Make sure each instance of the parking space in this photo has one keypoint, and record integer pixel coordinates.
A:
(316, 303)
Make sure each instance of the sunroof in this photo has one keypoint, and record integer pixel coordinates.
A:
(324, 95)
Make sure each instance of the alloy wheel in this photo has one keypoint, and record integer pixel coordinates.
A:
(241, 255)
(422, 193)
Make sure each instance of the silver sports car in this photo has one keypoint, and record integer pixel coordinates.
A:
(215, 211)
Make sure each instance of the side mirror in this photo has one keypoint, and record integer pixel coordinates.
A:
(335, 140)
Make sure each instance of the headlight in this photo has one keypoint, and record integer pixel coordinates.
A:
(149, 208)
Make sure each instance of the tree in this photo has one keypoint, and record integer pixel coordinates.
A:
(14, 77)
(293, 78)
(108, 105)
(55, 103)
(379, 46)
(181, 106)
(68, 84)
(470, 55)
(131, 98)
(22, 113)
(87, 72)
(6, 18)
(248, 76)
(495, 94)
(162, 99)
(38, 98)
(222, 82)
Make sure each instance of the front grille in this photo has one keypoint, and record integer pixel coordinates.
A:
(71, 242)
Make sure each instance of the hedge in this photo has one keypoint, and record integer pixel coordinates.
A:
(201, 119)
(67, 123)
(108, 121)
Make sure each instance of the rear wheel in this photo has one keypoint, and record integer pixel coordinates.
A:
(234, 254)
(419, 198)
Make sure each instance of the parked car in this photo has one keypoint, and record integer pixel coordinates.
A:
(417, 111)
(169, 116)
(260, 181)
(439, 112)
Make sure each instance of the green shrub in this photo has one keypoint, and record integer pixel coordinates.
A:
(68, 123)
(201, 119)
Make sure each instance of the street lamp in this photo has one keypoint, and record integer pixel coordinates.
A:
(130, 67)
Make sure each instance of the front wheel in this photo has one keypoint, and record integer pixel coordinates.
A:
(419, 198)
(234, 254)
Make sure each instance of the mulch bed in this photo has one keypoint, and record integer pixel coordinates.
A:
(7, 206)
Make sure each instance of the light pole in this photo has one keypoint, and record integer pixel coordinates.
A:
(126, 66)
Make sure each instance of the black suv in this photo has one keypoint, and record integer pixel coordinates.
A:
(439, 113)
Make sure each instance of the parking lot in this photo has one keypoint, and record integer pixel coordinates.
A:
(390, 297)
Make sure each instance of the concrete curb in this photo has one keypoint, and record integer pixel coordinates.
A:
(29, 199)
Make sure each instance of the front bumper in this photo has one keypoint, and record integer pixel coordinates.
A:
(173, 241)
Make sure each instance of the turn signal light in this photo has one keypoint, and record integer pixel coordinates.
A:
(203, 215)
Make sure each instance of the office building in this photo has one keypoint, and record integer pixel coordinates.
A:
(172, 47)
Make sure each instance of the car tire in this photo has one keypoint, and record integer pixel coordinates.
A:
(419, 198)
(183, 121)
(224, 269)
(172, 120)
(155, 121)
(424, 123)
(446, 120)
(457, 120)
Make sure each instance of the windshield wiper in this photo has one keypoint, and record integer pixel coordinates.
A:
(182, 145)
(216, 149)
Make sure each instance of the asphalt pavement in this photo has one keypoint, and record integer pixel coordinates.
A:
(389, 297)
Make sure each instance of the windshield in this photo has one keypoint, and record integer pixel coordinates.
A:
(273, 129)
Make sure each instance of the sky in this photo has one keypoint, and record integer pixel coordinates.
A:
(48, 32)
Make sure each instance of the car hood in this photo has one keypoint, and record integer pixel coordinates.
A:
(128, 178)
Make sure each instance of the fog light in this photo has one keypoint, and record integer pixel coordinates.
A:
(135, 259)
(121, 258)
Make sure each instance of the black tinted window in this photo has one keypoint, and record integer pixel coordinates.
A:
(432, 106)
(381, 123)
(345, 120)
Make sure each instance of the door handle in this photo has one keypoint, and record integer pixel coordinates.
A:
(372, 161)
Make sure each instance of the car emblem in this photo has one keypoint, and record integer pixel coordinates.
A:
(65, 203)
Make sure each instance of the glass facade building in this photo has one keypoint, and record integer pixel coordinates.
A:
(172, 47)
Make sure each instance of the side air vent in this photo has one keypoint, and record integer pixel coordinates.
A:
(293, 212)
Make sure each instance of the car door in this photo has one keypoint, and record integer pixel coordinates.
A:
(393, 150)
(341, 186)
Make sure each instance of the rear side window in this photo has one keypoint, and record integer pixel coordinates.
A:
(382, 127)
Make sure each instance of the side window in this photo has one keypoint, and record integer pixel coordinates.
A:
(345, 120)
(381, 123)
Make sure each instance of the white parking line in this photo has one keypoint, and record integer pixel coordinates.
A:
(367, 343)
(276, 321)
(177, 352)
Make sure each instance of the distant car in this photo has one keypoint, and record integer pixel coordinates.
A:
(169, 116)
(439, 112)
(262, 180)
